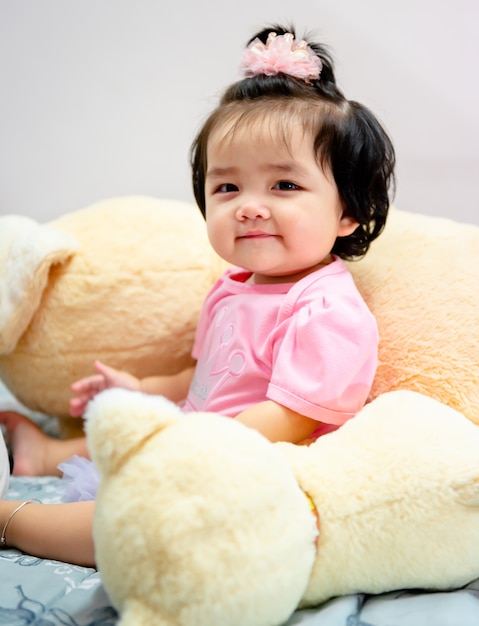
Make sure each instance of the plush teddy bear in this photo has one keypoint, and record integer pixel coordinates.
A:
(201, 520)
(122, 281)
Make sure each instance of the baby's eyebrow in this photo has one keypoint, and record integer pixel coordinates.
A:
(219, 172)
(286, 168)
(282, 168)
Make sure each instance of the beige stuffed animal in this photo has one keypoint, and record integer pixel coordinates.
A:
(200, 520)
(122, 281)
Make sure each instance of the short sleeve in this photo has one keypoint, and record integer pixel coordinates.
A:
(325, 357)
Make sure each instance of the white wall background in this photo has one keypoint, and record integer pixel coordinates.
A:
(102, 98)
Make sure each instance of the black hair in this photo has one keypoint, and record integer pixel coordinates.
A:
(349, 140)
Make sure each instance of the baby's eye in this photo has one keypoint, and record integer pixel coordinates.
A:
(286, 185)
(226, 188)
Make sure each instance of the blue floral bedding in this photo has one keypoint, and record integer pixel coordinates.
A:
(46, 593)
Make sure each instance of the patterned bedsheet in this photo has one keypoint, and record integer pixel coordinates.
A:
(45, 593)
(38, 591)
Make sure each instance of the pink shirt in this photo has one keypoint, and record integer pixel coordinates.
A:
(310, 346)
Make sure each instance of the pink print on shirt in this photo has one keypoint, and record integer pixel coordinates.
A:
(221, 364)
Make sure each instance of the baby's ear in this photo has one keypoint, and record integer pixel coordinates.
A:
(347, 226)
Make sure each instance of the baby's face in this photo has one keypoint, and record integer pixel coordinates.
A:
(270, 207)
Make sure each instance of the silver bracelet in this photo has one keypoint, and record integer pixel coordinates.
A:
(3, 541)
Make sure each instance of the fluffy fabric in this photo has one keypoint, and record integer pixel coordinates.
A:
(421, 280)
(200, 520)
(79, 479)
(27, 253)
(397, 489)
(178, 538)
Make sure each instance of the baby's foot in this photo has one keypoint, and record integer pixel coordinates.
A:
(28, 445)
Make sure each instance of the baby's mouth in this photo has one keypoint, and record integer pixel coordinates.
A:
(256, 235)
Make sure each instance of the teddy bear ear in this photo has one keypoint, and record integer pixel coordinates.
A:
(120, 421)
(27, 252)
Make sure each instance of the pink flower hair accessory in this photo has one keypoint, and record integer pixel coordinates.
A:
(281, 54)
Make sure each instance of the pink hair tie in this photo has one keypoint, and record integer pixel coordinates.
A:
(281, 54)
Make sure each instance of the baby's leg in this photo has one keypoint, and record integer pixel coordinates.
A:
(34, 452)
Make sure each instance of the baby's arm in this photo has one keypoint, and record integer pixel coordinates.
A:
(278, 423)
(51, 531)
(174, 387)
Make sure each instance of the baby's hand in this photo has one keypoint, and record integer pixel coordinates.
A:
(106, 378)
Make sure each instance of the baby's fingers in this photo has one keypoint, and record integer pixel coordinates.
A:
(91, 384)
(109, 374)
(78, 405)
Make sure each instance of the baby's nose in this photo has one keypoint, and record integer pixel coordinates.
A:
(252, 209)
